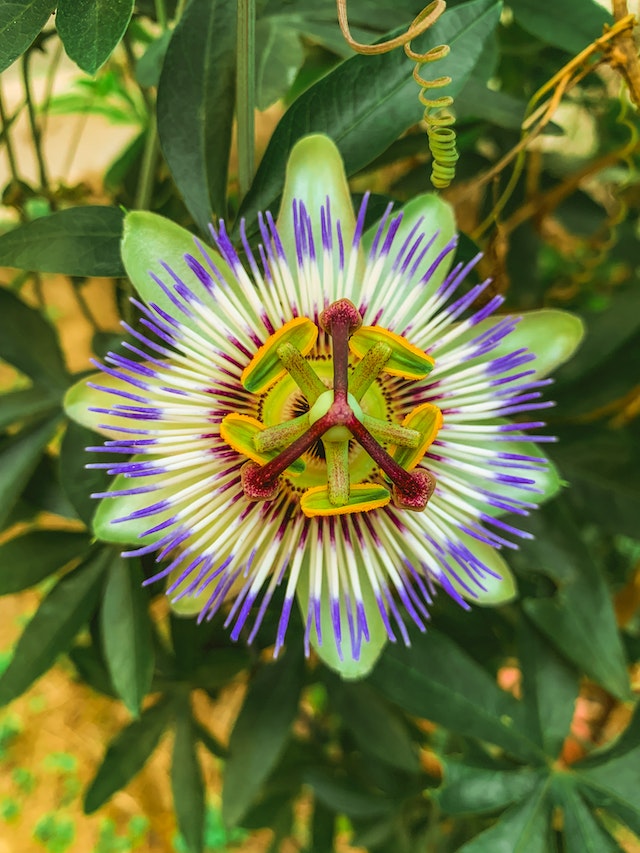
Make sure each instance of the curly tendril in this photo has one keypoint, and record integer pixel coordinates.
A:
(437, 117)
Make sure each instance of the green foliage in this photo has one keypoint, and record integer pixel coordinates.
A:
(491, 770)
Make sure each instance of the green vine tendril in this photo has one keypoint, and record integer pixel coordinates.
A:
(437, 117)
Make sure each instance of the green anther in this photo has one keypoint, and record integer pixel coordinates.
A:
(367, 370)
(279, 436)
(301, 372)
(338, 482)
(384, 431)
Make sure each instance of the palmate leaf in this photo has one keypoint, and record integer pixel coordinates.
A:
(126, 632)
(367, 101)
(62, 613)
(436, 679)
(30, 344)
(260, 733)
(128, 752)
(20, 454)
(578, 619)
(186, 780)
(28, 559)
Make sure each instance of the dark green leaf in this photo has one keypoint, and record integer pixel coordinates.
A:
(18, 406)
(19, 457)
(279, 55)
(472, 790)
(568, 24)
(186, 781)
(28, 559)
(364, 119)
(90, 29)
(579, 619)
(344, 796)
(610, 778)
(126, 632)
(260, 733)
(550, 688)
(477, 101)
(435, 679)
(56, 622)
(78, 481)
(603, 468)
(209, 741)
(127, 753)
(78, 241)
(30, 344)
(196, 98)
(522, 829)
(582, 832)
(376, 727)
(149, 65)
(91, 669)
(322, 829)
(20, 23)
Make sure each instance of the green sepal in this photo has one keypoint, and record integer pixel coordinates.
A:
(553, 335)
(315, 172)
(437, 216)
(405, 360)
(327, 651)
(150, 239)
(108, 529)
(497, 590)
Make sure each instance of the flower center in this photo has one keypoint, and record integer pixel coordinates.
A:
(336, 417)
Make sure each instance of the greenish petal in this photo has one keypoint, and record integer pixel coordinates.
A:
(347, 668)
(552, 334)
(108, 529)
(436, 216)
(314, 171)
(149, 240)
(80, 399)
(498, 590)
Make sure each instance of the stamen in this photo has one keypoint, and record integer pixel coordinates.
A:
(335, 417)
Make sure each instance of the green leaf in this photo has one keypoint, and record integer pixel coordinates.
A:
(603, 467)
(28, 559)
(376, 727)
(522, 829)
(579, 619)
(91, 669)
(364, 119)
(186, 781)
(126, 632)
(128, 752)
(550, 688)
(567, 24)
(609, 778)
(346, 796)
(56, 622)
(582, 832)
(30, 344)
(24, 405)
(435, 679)
(469, 790)
(19, 457)
(20, 23)
(82, 241)
(260, 733)
(78, 481)
(90, 29)
(196, 98)
(279, 56)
